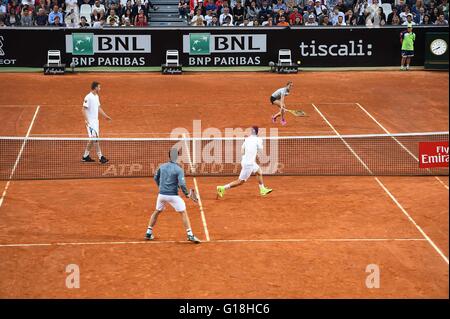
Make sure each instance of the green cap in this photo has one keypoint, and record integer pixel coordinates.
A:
(410, 25)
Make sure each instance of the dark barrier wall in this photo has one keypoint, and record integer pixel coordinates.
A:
(313, 47)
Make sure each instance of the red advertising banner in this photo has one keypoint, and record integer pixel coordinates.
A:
(433, 154)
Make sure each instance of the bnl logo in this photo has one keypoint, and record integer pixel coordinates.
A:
(206, 43)
(2, 53)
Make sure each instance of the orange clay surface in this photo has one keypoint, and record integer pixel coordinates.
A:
(313, 237)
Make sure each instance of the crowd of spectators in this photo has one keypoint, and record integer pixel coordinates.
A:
(313, 12)
(114, 13)
(75, 13)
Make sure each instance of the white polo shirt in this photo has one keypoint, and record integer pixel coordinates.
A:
(251, 146)
(92, 104)
(280, 92)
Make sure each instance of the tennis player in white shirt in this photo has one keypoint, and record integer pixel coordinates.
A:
(91, 108)
(250, 148)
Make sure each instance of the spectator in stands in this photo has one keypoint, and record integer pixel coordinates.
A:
(183, 9)
(3, 9)
(409, 20)
(56, 22)
(395, 20)
(392, 14)
(199, 22)
(416, 7)
(227, 21)
(434, 15)
(214, 22)
(379, 18)
(350, 18)
(404, 14)
(441, 20)
(319, 9)
(268, 22)
(253, 11)
(83, 23)
(282, 21)
(125, 22)
(129, 16)
(326, 21)
(238, 13)
(371, 12)
(41, 18)
(113, 20)
(71, 19)
(226, 13)
(100, 23)
(426, 20)
(311, 21)
(26, 19)
(141, 19)
(359, 10)
(340, 22)
(419, 16)
(197, 16)
(2, 21)
(208, 16)
(211, 5)
(246, 23)
(336, 15)
(98, 11)
(55, 13)
(13, 19)
(266, 10)
(309, 12)
(444, 8)
(294, 15)
(279, 6)
(200, 7)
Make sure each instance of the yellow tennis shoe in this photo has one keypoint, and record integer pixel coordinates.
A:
(220, 191)
(265, 191)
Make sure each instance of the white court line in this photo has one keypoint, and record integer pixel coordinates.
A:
(5, 190)
(388, 192)
(398, 142)
(219, 241)
(200, 204)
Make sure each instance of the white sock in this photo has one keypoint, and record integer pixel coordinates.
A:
(189, 232)
(261, 186)
(149, 230)
(99, 154)
(228, 186)
(86, 153)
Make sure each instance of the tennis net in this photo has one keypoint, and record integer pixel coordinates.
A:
(371, 154)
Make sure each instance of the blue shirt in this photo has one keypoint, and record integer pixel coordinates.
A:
(52, 15)
(169, 177)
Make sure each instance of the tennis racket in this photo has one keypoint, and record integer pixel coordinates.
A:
(193, 195)
(296, 112)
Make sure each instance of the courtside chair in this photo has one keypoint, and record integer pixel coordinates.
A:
(53, 57)
(284, 57)
(172, 58)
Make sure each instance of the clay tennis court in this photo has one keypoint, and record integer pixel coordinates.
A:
(313, 237)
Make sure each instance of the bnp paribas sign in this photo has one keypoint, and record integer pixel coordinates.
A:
(87, 48)
(215, 49)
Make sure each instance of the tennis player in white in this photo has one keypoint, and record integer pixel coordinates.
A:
(250, 148)
(277, 98)
(91, 108)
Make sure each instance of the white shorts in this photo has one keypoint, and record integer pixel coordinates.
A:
(174, 200)
(93, 129)
(247, 170)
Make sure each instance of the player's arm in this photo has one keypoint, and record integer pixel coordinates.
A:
(106, 116)
(282, 101)
(157, 176)
(84, 109)
(182, 183)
